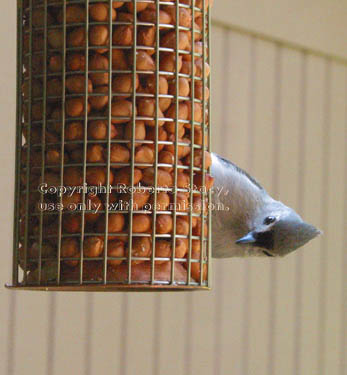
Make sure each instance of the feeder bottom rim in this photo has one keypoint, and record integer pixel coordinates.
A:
(109, 288)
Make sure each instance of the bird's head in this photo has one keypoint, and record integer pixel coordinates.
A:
(278, 231)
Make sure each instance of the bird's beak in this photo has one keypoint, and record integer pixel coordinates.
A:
(248, 238)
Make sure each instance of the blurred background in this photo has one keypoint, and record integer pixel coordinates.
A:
(279, 111)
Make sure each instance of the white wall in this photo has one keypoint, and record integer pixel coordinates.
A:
(315, 24)
(280, 114)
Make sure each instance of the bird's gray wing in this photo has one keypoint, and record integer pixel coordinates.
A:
(239, 170)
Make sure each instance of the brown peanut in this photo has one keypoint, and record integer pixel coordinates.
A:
(144, 155)
(183, 149)
(75, 61)
(163, 201)
(95, 153)
(150, 136)
(73, 176)
(169, 40)
(150, 16)
(166, 157)
(123, 84)
(119, 154)
(141, 247)
(55, 63)
(141, 223)
(75, 107)
(146, 38)
(98, 130)
(168, 64)
(123, 35)
(115, 249)
(76, 84)
(122, 109)
(95, 204)
(93, 247)
(72, 223)
(139, 199)
(116, 224)
(198, 159)
(98, 102)
(100, 12)
(140, 6)
(140, 132)
(117, 4)
(70, 249)
(75, 38)
(98, 36)
(162, 250)
(164, 178)
(144, 62)
(198, 182)
(147, 108)
(182, 226)
(97, 176)
(99, 62)
(74, 14)
(119, 61)
(164, 224)
(183, 87)
(122, 176)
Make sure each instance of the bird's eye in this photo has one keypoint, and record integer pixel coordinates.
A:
(269, 220)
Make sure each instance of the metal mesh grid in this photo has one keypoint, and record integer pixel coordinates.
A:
(89, 67)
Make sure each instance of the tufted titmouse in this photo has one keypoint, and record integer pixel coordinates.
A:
(246, 221)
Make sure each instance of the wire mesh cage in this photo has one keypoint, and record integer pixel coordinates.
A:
(113, 140)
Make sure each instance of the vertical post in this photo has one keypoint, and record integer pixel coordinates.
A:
(43, 139)
(28, 150)
(62, 146)
(192, 125)
(17, 194)
(174, 189)
(209, 207)
(203, 125)
(109, 120)
(85, 140)
(134, 71)
(156, 147)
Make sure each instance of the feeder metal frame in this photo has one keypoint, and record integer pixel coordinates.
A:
(106, 285)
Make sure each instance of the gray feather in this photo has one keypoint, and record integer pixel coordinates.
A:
(239, 206)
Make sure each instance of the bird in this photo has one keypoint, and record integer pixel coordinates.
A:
(247, 221)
